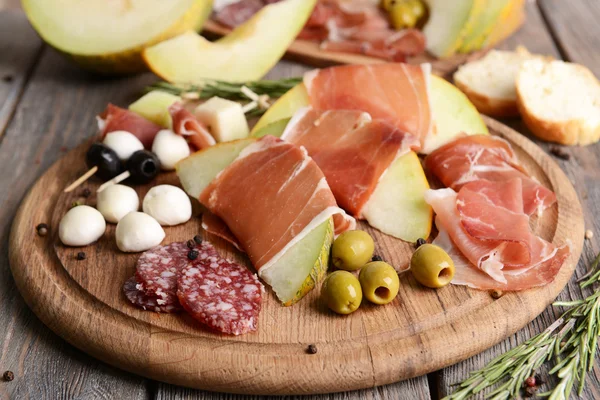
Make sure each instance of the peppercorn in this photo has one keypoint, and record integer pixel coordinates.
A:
(560, 153)
(496, 294)
(530, 381)
(8, 376)
(190, 244)
(530, 391)
(42, 229)
(198, 239)
(86, 192)
(312, 349)
(376, 258)
(81, 255)
(420, 242)
(192, 254)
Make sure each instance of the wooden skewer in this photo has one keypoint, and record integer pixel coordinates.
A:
(81, 179)
(119, 178)
(249, 106)
(249, 93)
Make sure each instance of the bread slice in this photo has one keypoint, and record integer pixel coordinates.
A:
(490, 81)
(559, 101)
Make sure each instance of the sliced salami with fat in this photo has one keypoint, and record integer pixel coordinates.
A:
(221, 294)
(158, 268)
(149, 302)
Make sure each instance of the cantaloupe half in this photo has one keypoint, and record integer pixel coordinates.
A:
(484, 25)
(108, 36)
(246, 54)
(303, 265)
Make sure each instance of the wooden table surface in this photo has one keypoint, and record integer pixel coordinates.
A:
(48, 106)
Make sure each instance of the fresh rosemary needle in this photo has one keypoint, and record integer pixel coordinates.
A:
(227, 90)
(571, 341)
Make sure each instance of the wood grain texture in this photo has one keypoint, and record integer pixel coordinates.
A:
(421, 331)
(582, 170)
(575, 29)
(310, 53)
(55, 112)
(18, 58)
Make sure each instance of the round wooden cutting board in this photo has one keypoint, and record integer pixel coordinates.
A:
(422, 330)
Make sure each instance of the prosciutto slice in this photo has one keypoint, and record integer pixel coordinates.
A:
(475, 157)
(487, 226)
(119, 119)
(468, 275)
(396, 93)
(270, 198)
(352, 150)
(186, 125)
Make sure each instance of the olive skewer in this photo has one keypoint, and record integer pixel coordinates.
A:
(141, 167)
(101, 161)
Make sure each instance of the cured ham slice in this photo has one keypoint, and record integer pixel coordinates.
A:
(468, 275)
(188, 126)
(270, 198)
(396, 93)
(475, 157)
(215, 226)
(352, 150)
(348, 26)
(119, 119)
(486, 222)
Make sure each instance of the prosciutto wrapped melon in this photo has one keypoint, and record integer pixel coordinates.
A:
(277, 205)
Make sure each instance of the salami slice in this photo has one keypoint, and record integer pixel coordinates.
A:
(158, 268)
(149, 302)
(221, 294)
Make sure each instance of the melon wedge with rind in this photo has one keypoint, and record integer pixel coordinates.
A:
(453, 115)
(397, 207)
(109, 36)
(154, 106)
(285, 107)
(246, 54)
(509, 23)
(485, 24)
(448, 24)
(274, 128)
(303, 265)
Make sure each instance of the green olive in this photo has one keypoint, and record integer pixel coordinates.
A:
(352, 249)
(341, 292)
(379, 282)
(404, 13)
(432, 266)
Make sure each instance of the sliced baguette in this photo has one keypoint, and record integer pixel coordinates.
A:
(490, 81)
(559, 101)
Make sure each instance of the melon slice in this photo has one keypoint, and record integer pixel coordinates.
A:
(246, 54)
(453, 114)
(108, 36)
(397, 206)
(484, 25)
(274, 128)
(510, 21)
(286, 106)
(303, 265)
(154, 106)
(449, 23)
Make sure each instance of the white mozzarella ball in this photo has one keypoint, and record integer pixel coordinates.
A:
(123, 143)
(81, 226)
(168, 204)
(116, 201)
(138, 232)
(170, 148)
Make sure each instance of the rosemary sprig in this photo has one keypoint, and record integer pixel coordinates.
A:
(232, 91)
(573, 347)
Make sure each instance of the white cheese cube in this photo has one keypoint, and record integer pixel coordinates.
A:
(224, 118)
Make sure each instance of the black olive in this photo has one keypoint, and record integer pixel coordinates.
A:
(105, 158)
(144, 166)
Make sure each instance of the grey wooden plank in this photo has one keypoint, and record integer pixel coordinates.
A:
(416, 388)
(56, 112)
(582, 169)
(574, 26)
(20, 47)
(412, 389)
